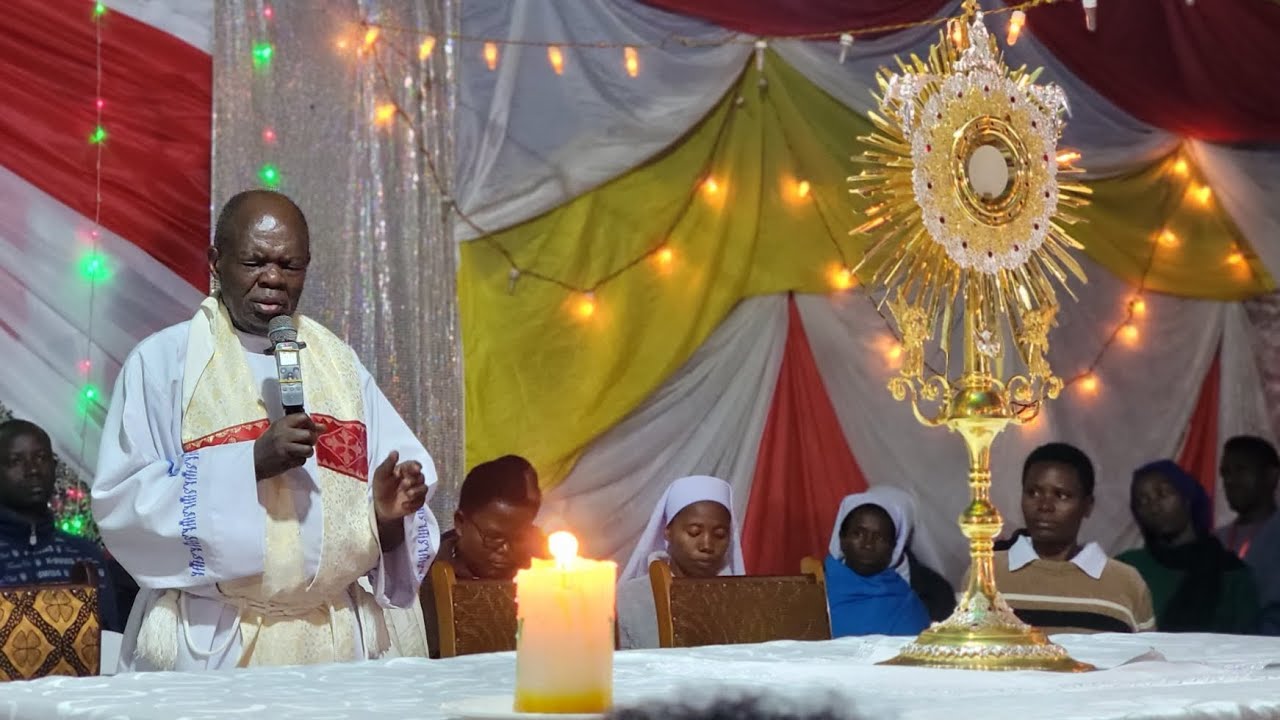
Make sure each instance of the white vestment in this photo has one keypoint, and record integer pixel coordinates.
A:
(188, 521)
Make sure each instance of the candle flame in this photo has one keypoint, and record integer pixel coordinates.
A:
(563, 547)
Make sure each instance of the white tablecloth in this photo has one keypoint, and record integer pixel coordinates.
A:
(1200, 676)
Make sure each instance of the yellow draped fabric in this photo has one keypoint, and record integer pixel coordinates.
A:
(543, 381)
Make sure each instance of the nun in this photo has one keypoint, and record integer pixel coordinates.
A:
(868, 591)
(693, 531)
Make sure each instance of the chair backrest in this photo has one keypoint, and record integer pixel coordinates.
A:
(729, 610)
(51, 629)
(474, 616)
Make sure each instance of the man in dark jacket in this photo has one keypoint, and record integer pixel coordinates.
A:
(32, 550)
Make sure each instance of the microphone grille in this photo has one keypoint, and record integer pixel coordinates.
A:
(280, 329)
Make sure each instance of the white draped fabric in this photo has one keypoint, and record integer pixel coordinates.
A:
(529, 140)
(46, 313)
(706, 419)
(1149, 675)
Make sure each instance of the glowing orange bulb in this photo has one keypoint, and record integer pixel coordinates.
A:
(343, 43)
(710, 186)
(1129, 333)
(370, 36)
(1089, 383)
(586, 306)
(1203, 194)
(665, 256)
(427, 47)
(1235, 258)
(1139, 307)
(842, 278)
(1167, 238)
(1016, 21)
(384, 114)
(556, 58)
(491, 55)
(1180, 168)
(802, 189)
(563, 547)
(631, 61)
(894, 353)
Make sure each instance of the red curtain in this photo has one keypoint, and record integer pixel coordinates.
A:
(1199, 455)
(803, 469)
(1205, 70)
(801, 17)
(158, 94)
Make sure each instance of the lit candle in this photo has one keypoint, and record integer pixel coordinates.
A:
(564, 648)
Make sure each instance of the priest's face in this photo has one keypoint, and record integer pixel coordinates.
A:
(262, 264)
(698, 539)
(867, 539)
(28, 472)
(1054, 503)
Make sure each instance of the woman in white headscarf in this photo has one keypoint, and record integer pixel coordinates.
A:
(693, 530)
(867, 574)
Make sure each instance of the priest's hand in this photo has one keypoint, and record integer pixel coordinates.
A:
(286, 444)
(398, 491)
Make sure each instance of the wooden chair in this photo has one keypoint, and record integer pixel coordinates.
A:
(474, 616)
(51, 629)
(730, 610)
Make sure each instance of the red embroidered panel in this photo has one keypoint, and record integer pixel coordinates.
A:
(343, 445)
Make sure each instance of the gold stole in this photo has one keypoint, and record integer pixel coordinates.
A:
(284, 619)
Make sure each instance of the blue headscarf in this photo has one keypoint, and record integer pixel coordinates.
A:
(1187, 486)
(880, 604)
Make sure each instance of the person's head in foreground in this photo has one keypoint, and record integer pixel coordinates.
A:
(261, 249)
(26, 485)
(1057, 495)
(1170, 507)
(1250, 469)
(692, 526)
(734, 708)
(866, 577)
(494, 520)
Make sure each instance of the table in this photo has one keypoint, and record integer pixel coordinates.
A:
(1148, 676)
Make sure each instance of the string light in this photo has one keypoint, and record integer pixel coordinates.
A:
(1129, 332)
(84, 367)
(846, 44)
(98, 136)
(1016, 21)
(99, 9)
(1138, 307)
(556, 58)
(631, 61)
(1167, 238)
(1203, 194)
(710, 186)
(269, 176)
(665, 256)
(1235, 258)
(841, 278)
(268, 12)
(370, 37)
(94, 267)
(586, 305)
(491, 55)
(384, 114)
(99, 104)
(1180, 168)
(262, 53)
(427, 47)
(894, 353)
(268, 136)
(1089, 383)
(802, 189)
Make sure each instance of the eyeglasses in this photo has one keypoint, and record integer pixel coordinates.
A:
(493, 542)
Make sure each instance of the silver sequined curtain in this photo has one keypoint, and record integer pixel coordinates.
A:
(383, 264)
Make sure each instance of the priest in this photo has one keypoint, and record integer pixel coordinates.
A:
(249, 528)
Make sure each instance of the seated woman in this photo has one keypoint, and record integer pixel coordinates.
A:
(866, 591)
(1196, 584)
(692, 529)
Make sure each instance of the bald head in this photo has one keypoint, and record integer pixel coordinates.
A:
(261, 250)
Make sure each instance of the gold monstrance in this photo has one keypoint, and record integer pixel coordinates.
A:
(967, 215)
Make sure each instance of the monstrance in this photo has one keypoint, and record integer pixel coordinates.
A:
(968, 214)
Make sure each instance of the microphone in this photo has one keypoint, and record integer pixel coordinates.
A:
(285, 347)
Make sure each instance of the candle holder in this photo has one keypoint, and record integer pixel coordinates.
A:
(565, 635)
(968, 221)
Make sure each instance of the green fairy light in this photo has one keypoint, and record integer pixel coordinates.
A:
(98, 136)
(94, 267)
(262, 52)
(99, 9)
(269, 176)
